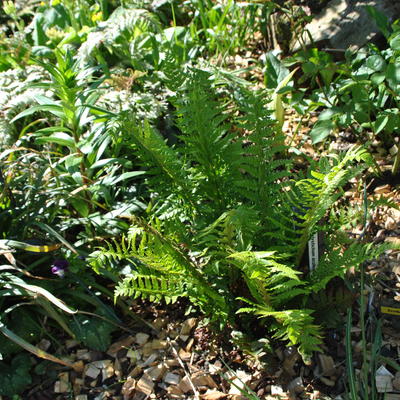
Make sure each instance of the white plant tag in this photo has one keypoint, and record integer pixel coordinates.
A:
(313, 256)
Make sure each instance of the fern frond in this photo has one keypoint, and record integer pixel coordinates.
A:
(308, 201)
(293, 325)
(154, 288)
(337, 261)
(175, 75)
(206, 140)
(120, 34)
(162, 162)
(161, 270)
(261, 161)
(233, 229)
(268, 278)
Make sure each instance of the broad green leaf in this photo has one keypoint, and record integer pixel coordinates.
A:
(125, 176)
(376, 62)
(395, 42)
(378, 78)
(80, 206)
(350, 84)
(361, 117)
(53, 109)
(38, 35)
(60, 138)
(94, 333)
(393, 122)
(310, 68)
(15, 378)
(380, 122)
(359, 93)
(275, 71)
(328, 114)
(19, 319)
(393, 74)
(72, 160)
(321, 130)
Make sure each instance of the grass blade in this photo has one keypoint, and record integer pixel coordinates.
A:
(31, 348)
(349, 359)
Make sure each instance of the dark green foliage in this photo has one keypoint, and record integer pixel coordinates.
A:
(23, 325)
(93, 332)
(227, 217)
(15, 378)
(227, 223)
(331, 303)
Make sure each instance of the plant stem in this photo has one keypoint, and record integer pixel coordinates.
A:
(364, 368)
(396, 164)
(349, 358)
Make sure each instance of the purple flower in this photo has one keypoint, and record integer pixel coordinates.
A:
(59, 267)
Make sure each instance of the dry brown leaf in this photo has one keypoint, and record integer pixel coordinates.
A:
(121, 344)
(213, 395)
(393, 239)
(383, 189)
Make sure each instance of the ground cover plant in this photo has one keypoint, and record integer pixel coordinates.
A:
(137, 165)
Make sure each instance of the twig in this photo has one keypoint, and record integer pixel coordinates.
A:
(195, 391)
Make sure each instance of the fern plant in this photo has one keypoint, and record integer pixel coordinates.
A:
(127, 34)
(227, 223)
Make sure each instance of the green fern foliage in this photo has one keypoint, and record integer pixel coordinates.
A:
(123, 35)
(154, 288)
(161, 270)
(228, 222)
(337, 261)
(294, 325)
(308, 201)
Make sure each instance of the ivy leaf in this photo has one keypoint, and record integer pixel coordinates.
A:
(275, 71)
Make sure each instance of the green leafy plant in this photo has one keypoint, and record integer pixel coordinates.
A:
(74, 143)
(93, 332)
(14, 378)
(227, 225)
(359, 93)
(224, 28)
(13, 286)
(128, 34)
